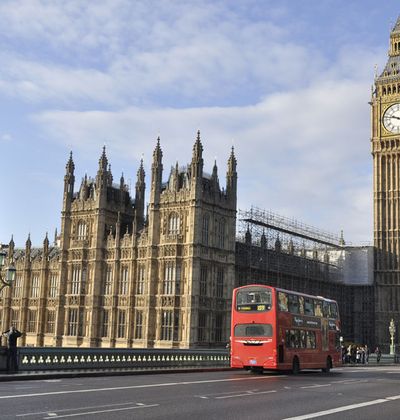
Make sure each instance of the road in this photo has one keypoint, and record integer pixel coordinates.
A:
(345, 393)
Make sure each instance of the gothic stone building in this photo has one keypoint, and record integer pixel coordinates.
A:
(122, 278)
(385, 145)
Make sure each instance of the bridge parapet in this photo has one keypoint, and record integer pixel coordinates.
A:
(64, 358)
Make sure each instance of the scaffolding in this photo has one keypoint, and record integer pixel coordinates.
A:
(288, 251)
(268, 228)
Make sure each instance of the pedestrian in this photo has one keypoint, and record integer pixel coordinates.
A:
(378, 354)
(366, 350)
(12, 353)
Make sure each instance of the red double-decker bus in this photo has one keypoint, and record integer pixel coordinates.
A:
(279, 329)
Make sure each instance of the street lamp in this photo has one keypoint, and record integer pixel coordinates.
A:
(10, 271)
(392, 330)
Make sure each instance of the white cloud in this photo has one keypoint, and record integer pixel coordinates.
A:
(6, 137)
(292, 152)
(121, 72)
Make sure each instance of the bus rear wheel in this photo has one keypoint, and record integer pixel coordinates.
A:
(328, 365)
(295, 366)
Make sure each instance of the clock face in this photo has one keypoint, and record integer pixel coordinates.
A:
(391, 119)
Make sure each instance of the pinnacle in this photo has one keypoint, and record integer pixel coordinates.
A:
(396, 27)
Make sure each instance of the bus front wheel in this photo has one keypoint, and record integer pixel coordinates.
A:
(295, 366)
(328, 365)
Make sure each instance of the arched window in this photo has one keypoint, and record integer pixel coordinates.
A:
(169, 278)
(173, 224)
(389, 90)
(82, 230)
(221, 233)
(205, 229)
(384, 91)
(123, 281)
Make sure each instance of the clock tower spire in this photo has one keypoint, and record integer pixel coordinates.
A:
(385, 148)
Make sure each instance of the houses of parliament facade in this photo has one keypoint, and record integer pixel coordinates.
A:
(122, 278)
(121, 273)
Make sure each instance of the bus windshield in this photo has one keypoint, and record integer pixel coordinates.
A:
(253, 299)
(253, 330)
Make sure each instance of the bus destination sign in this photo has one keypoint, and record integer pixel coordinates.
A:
(253, 307)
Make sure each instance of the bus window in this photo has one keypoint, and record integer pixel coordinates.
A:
(317, 307)
(301, 305)
(303, 339)
(311, 343)
(325, 309)
(295, 339)
(253, 330)
(282, 301)
(309, 306)
(334, 311)
(293, 304)
(253, 299)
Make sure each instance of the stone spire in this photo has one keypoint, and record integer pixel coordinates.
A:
(70, 166)
(69, 180)
(214, 176)
(231, 178)
(11, 247)
(197, 158)
(103, 161)
(157, 154)
(197, 149)
(28, 245)
(156, 174)
(396, 27)
(104, 176)
(46, 245)
(140, 190)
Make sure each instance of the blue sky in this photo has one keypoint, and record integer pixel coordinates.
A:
(286, 82)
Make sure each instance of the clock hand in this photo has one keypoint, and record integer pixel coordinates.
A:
(393, 116)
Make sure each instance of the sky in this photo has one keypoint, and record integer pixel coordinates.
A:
(286, 82)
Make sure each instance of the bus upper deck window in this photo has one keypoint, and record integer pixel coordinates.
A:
(318, 308)
(334, 311)
(309, 306)
(282, 301)
(293, 304)
(326, 309)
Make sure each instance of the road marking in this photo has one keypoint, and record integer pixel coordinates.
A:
(315, 386)
(119, 388)
(344, 408)
(77, 408)
(85, 413)
(346, 381)
(247, 394)
(395, 397)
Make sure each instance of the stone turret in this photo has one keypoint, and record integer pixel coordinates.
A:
(140, 190)
(156, 174)
(231, 178)
(69, 181)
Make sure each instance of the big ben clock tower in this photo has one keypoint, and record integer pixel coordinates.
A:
(385, 145)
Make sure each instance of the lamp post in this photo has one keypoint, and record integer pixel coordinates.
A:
(392, 330)
(10, 271)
